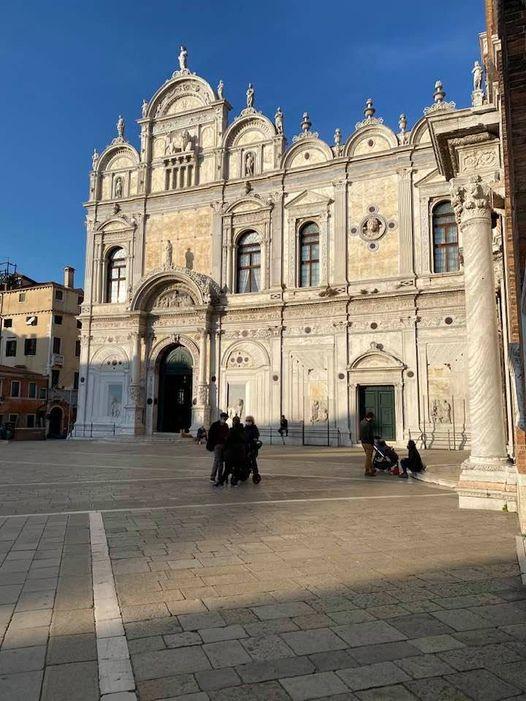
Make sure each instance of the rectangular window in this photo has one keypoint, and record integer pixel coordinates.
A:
(21, 296)
(77, 349)
(8, 323)
(15, 388)
(55, 376)
(42, 393)
(30, 420)
(30, 346)
(59, 295)
(58, 319)
(32, 390)
(56, 344)
(10, 348)
(76, 381)
(79, 324)
(13, 419)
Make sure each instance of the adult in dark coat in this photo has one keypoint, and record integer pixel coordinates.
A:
(235, 452)
(253, 444)
(217, 436)
(367, 441)
(413, 461)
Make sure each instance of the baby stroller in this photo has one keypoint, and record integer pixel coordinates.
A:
(385, 457)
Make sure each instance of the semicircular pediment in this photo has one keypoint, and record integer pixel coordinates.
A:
(201, 289)
(179, 95)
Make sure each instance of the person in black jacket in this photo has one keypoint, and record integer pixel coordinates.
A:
(367, 441)
(253, 444)
(413, 461)
(217, 436)
(283, 428)
(235, 452)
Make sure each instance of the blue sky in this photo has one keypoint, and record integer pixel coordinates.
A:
(67, 69)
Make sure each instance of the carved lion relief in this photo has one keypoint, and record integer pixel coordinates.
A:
(175, 297)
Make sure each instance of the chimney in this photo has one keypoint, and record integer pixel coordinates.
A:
(69, 276)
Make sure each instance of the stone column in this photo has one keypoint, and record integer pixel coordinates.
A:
(338, 274)
(486, 472)
(405, 217)
(201, 411)
(135, 405)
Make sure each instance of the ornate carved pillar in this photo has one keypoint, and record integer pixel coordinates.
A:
(338, 275)
(405, 216)
(201, 411)
(485, 473)
(135, 405)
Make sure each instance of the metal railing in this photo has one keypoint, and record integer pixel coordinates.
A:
(93, 430)
(301, 434)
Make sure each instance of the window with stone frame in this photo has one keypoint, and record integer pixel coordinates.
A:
(10, 348)
(30, 346)
(248, 263)
(309, 248)
(116, 276)
(446, 257)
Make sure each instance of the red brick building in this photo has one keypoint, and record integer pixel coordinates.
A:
(506, 70)
(23, 401)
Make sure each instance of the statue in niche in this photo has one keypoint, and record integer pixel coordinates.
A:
(183, 58)
(315, 412)
(117, 189)
(167, 254)
(189, 259)
(250, 163)
(186, 140)
(372, 229)
(115, 408)
(237, 409)
(477, 72)
(250, 96)
(278, 120)
(220, 88)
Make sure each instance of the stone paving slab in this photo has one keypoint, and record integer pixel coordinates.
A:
(287, 590)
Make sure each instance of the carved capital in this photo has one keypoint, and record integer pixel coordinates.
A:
(471, 199)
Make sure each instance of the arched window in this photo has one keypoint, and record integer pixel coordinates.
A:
(445, 239)
(116, 276)
(309, 255)
(248, 263)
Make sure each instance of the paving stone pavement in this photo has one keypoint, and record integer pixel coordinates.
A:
(125, 575)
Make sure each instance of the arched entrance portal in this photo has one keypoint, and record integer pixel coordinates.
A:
(175, 390)
(55, 422)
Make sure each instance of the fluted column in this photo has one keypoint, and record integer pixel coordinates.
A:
(201, 410)
(485, 472)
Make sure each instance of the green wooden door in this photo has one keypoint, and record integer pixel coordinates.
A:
(380, 400)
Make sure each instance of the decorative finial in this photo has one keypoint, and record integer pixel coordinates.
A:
(438, 100)
(220, 88)
(337, 137)
(305, 123)
(144, 108)
(278, 120)
(120, 127)
(402, 123)
(183, 59)
(440, 93)
(250, 96)
(369, 109)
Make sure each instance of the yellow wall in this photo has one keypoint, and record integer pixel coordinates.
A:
(190, 232)
(382, 192)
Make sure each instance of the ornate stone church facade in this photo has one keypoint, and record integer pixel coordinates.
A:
(230, 268)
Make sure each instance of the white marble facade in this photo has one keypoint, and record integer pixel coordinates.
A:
(376, 313)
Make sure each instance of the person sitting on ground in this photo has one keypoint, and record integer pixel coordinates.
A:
(235, 453)
(253, 445)
(200, 436)
(215, 444)
(283, 427)
(413, 461)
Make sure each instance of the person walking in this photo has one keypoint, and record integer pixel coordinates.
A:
(235, 453)
(367, 441)
(215, 444)
(253, 445)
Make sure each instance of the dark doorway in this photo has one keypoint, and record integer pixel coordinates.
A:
(175, 391)
(380, 400)
(55, 423)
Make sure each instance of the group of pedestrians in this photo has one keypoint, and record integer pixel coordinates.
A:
(377, 452)
(235, 450)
